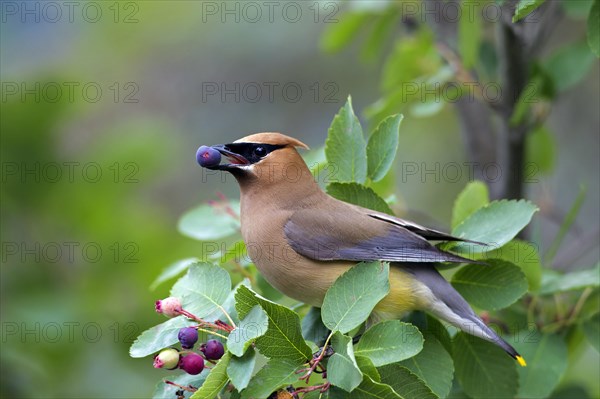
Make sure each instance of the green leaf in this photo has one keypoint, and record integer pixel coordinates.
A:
(240, 369)
(203, 290)
(541, 149)
(382, 147)
(526, 7)
(524, 255)
(474, 196)
(358, 194)
(313, 328)
(546, 364)
(495, 224)
(337, 36)
(368, 389)
(591, 329)
(158, 337)
(553, 281)
(491, 287)
(566, 225)
(274, 375)
(173, 270)
(216, 380)
(350, 300)
(211, 221)
(283, 338)
(377, 39)
(433, 365)
(254, 325)
(593, 28)
(569, 65)
(483, 369)
(345, 146)
(367, 367)
(342, 370)
(405, 383)
(389, 342)
(167, 391)
(469, 33)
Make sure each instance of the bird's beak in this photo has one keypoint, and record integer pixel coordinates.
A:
(235, 160)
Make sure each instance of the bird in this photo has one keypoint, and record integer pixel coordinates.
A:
(301, 239)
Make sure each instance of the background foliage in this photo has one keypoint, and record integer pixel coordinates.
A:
(169, 50)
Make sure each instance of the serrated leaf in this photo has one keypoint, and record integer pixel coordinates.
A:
(526, 7)
(158, 337)
(474, 196)
(491, 287)
(229, 303)
(469, 33)
(337, 36)
(283, 338)
(358, 194)
(167, 391)
(342, 370)
(367, 367)
(345, 146)
(569, 65)
(483, 369)
(216, 380)
(546, 364)
(382, 147)
(173, 270)
(433, 365)
(593, 28)
(203, 290)
(494, 224)
(405, 383)
(390, 341)
(252, 326)
(275, 374)
(524, 255)
(591, 329)
(350, 300)
(313, 328)
(211, 221)
(553, 281)
(240, 369)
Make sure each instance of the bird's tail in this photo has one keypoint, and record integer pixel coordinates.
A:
(447, 304)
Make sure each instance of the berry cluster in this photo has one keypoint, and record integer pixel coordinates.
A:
(186, 359)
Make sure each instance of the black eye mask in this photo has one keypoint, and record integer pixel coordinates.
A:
(252, 152)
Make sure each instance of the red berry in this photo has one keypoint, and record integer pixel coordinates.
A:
(192, 363)
(213, 349)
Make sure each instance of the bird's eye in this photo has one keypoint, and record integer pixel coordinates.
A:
(260, 151)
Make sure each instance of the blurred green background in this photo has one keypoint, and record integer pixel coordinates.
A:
(103, 106)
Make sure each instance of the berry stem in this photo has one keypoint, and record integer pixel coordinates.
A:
(188, 388)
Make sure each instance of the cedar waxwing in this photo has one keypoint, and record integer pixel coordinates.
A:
(301, 239)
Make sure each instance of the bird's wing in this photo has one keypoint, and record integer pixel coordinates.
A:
(348, 234)
(425, 232)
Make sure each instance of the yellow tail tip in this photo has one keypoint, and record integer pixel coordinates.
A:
(521, 361)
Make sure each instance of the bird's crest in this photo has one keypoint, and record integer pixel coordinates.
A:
(272, 138)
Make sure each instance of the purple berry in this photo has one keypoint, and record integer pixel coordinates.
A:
(207, 156)
(213, 349)
(192, 363)
(170, 306)
(167, 358)
(188, 337)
